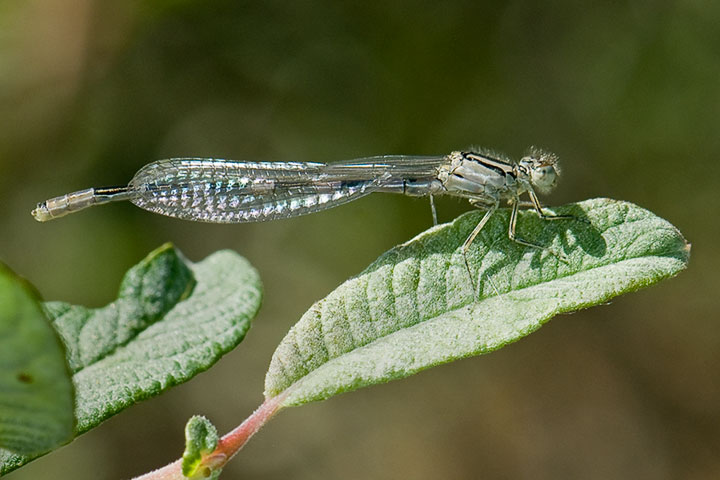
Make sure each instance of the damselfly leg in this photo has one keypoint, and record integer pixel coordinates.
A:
(490, 209)
(433, 210)
(513, 223)
(535, 203)
(512, 226)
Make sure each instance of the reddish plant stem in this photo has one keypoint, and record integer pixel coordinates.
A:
(232, 442)
(171, 471)
(229, 445)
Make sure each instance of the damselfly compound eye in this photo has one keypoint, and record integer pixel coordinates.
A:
(543, 178)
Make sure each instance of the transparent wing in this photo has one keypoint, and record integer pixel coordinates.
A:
(223, 191)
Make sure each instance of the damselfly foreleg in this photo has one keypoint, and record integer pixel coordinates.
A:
(513, 223)
(535, 203)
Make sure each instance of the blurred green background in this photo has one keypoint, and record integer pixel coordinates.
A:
(627, 93)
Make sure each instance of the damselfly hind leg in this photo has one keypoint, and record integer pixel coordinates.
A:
(469, 240)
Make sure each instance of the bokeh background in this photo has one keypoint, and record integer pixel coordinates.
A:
(627, 93)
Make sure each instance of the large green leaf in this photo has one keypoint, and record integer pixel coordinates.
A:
(36, 394)
(172, 320)
(415, 307)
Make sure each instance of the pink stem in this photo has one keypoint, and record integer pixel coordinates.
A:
(232, 442)
(171, 471)
(228, 445)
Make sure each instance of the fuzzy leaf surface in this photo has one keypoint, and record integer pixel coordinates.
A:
(415, 307)
(172, 320)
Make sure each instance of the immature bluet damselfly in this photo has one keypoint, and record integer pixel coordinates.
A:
(226, 191)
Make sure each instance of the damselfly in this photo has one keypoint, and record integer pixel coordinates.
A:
(225, 191)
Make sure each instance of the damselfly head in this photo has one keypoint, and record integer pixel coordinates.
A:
(542, 168)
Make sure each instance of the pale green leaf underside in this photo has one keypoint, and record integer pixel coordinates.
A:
(414, 307)
(36, 396)
(172, 320)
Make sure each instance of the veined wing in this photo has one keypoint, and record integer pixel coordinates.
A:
(223, 191)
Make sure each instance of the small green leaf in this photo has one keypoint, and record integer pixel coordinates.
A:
(201, 439)
(415, 308)
(36, 393)
(172, 320)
